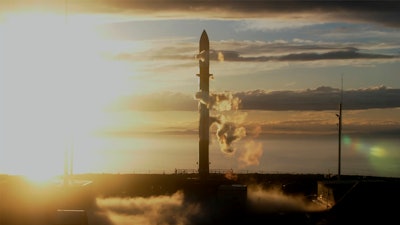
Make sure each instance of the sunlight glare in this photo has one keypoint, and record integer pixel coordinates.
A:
(57, 86)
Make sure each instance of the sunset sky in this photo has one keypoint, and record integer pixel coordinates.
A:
(74, 74)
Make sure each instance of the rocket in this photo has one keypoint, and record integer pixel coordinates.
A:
(204, 67)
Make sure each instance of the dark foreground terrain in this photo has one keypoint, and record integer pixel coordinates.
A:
(185, 199)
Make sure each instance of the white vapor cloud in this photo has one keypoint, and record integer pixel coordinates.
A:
(274, 200)
(250, 156)
(224, 101)
(228, 133)
(163, 210)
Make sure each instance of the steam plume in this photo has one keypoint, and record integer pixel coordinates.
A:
(227, 133)
(201, 56)
(274, 201)
(166, 210)
(253, 150)
(219, 101)
(251, 154)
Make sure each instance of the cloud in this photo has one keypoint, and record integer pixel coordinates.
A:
(318, 99)
(227, 134)
(174, 210)
(168, 210)
(383, 12)
(321, 98)
(268, 51)
(274, 201)
(250, 156)
(349, 53)
(224, 101)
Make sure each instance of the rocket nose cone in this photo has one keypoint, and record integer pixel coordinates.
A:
(204, 43)
(204, 36)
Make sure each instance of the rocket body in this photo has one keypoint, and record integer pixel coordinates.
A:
(204, 123)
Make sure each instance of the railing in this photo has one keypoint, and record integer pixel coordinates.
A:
(195, 171)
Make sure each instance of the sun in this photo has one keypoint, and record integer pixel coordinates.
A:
(56, 86)
(40, 176)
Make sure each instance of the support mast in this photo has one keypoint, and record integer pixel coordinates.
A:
(340, 130)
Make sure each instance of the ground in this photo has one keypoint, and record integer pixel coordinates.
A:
(186, 199)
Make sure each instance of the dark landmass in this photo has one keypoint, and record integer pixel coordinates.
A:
(185, 199)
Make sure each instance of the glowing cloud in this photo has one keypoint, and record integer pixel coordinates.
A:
(251, 154)
(147, 211)
(228, 133)
(224, 101)
(274, 201)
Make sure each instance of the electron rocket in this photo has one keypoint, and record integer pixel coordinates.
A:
(204, 123)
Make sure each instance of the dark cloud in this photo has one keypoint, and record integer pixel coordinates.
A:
(265, 51)
(321, 98)
(383, 12)
(350, 53)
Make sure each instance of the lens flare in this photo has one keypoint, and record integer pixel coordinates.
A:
(382, 154)
(377, 151)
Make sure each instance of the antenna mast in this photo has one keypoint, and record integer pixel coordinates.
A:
(69, 150)
(340, 128)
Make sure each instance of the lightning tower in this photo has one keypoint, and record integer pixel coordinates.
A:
(340, 129)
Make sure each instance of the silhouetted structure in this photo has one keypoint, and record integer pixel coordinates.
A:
(204, 66)
(340, 131)
(68, 164)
